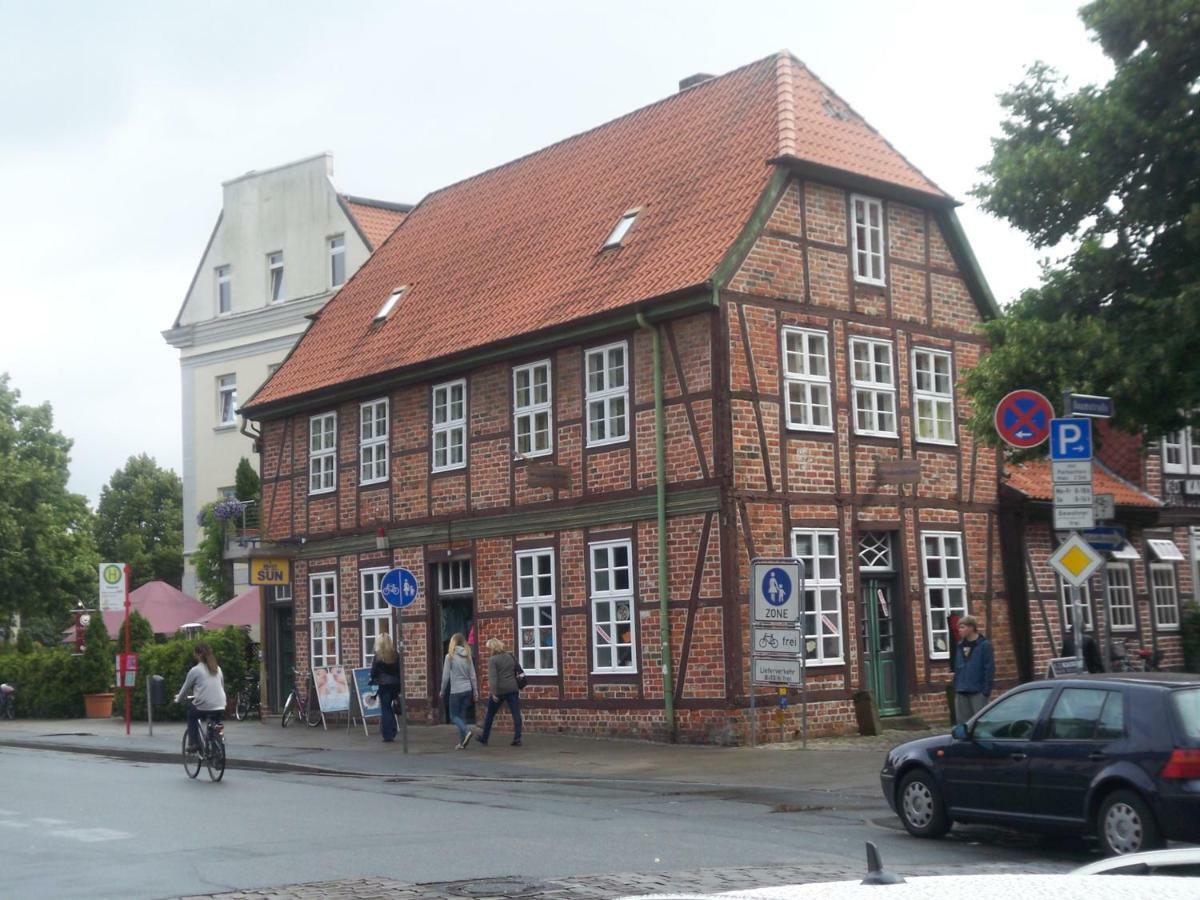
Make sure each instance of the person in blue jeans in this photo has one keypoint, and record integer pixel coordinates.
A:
(385, 674)
(458, 675)
(502, 678)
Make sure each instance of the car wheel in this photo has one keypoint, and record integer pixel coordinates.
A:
(922, 811)
(1125, 824)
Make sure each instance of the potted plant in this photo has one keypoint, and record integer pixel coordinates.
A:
(96, 669)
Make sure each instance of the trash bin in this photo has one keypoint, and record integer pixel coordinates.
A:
(158, 690)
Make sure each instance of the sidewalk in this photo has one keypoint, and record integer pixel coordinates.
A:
(830, 764)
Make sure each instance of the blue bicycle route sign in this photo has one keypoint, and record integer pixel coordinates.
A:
(399, 587)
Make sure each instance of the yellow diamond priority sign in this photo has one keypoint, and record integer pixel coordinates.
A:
(1075, 560)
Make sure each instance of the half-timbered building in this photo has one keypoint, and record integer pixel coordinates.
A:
(576, 394)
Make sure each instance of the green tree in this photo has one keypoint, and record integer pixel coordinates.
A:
(139, 521)
(97, 669)
(1110, 172)
(246, 489)
(48, 556)
(141, 632)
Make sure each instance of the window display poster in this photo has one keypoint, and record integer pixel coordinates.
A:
(368, 700)
(333, 690)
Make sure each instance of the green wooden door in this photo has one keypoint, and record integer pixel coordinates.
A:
(880, 662)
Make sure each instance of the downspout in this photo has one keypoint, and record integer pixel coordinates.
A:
(660, 477)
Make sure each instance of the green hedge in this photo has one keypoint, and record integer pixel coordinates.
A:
(173, 658)
(47, 680)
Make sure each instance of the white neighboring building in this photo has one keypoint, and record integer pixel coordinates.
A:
(285, 241)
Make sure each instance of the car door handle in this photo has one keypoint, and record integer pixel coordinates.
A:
(1097, 756)
(1018, 757)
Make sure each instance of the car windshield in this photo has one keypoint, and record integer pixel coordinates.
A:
(1187, 704)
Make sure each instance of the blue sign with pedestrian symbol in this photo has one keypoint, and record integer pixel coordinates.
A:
(399, 588)
(1070, 439)
(776, 586)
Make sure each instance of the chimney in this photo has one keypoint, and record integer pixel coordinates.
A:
(693, 80)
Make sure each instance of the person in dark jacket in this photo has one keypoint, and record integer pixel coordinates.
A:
(502, 682)
(974, 670)
(1091, 651)
(385, 674)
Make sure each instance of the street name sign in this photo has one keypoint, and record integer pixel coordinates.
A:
(1089, 405)
(776, 671)
(1022, 418)
(1107, 538)
(776, 586)
(399, 587)
(1075, 560)
(1078, 471)
(772, 641)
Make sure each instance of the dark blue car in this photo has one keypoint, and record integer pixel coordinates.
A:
(1117, 756)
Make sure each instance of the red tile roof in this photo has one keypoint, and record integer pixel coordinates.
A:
(376, 219)
(243, 610)
(1033, 479)
(516, 249)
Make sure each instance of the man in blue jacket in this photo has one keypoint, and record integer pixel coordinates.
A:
(974, 670)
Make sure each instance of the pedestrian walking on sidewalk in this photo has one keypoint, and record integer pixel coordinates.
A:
(974, 670)
(458, 675)
(385, 675)
(502, 679)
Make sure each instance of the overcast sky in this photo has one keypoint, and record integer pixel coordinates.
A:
(119, 121)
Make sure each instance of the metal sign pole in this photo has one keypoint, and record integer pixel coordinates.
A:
(403, 681)
(753, 712)
(149, 708)
(1076, 623)
(803, 654)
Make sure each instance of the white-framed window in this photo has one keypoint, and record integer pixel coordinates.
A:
(607, 394)
(454, 577)
(867, 237)
(1181, 452)
(376, 614)
(275, 276)
(806, 381)
(337, 260)
(823, 645)
(224, 291)
(1067, 610)
(373, 441)
(226, 400)
(933, 396)
(450, 425)
(621, 229)
(945, 587)
(282, 593)
(873, 379)
(390, 303)
(322, 618)
(1164, 596)
(536, 632)
(614, 643)
(322, 453)
(1119, 581)
(532, 410)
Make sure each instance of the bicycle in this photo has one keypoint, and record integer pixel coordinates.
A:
(211, 752)
(247, 702)
(296, 706)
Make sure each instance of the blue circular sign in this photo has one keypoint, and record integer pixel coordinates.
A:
(776, 586)
(399, 588)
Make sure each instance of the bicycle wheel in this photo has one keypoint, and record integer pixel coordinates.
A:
(289, 710)
(191, 760)
(241, 706)
(312, 712)
(216, 760)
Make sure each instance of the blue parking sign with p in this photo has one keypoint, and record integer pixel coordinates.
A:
(1070, 439)
(399, 587)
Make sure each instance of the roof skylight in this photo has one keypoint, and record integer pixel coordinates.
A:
(623, 226)
(390, 303)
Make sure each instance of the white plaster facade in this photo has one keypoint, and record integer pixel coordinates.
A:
(244, 332)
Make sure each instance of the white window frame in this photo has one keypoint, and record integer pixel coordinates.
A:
(275, 287)
(819, 589)
(946, 583)
(1064, 605)
(373, 441)
(337, 254)
(621, 229)
(533, 599)
(1164, 596)
(224, 290)
(525, 415)
(872, 237)
(450, 426)
(375, 612)
(1121, 595)
(322, 453)
(227, 391)
(872, 390)
(614, 596)
(940, 401)
(607, 395)
(1186, 444)
(813, 388)
(454, 577)
(323, 587)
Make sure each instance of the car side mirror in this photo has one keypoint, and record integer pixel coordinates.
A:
(960, 733)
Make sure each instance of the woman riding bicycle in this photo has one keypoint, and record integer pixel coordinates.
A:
(206, 683)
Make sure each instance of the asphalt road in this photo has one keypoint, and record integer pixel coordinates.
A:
(88, 826)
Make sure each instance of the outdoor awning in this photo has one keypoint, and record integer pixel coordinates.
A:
(1165, 550)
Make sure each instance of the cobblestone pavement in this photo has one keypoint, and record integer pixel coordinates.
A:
(595, 887)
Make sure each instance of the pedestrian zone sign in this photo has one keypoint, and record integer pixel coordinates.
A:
(775, 589)
(1075, 560)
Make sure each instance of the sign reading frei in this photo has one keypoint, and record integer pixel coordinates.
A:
(1075, 560)
(776, 641)
(112, 586)
(775, 589)
(270, 570)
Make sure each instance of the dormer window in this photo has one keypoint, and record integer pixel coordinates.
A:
(623, 226)
(390, 303)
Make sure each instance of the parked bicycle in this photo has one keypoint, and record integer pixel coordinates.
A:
(248, 701)
(300, 705)
(8, 701)
(211, 752)
(1137, 659)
